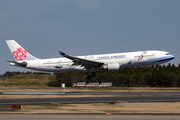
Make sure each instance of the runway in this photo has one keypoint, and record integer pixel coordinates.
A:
(86, 116)
(90, 93)
(137, 97)
(89, 100)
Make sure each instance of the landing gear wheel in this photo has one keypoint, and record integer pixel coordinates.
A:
(89, 77)
(93, 74)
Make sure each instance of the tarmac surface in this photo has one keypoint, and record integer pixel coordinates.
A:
(86, 117)
(90, 93)
(89, 100)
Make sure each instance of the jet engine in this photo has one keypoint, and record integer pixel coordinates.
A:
(112, 67)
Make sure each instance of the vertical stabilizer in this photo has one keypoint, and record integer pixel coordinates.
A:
(19, 53)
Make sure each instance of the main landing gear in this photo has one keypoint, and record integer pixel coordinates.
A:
(157, 66)
(91, 75)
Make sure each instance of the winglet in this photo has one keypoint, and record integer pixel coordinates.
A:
(62, 53)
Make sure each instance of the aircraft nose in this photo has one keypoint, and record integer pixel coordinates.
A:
(172, 56)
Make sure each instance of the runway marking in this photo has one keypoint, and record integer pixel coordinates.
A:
(90, 93)
(32, 93)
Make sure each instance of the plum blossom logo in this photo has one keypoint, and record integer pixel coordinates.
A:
(20, 54)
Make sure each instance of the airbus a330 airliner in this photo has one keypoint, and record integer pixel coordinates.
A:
(110, 62)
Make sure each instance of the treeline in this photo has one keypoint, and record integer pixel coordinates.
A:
(150, 76)
(9, 74)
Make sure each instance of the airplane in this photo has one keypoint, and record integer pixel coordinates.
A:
(109, 62)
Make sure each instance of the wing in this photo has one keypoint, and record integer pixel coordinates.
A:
(83, 62)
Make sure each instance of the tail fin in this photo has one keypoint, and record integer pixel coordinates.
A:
(19, 53)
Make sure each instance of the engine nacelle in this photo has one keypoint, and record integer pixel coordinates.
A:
(112, 67)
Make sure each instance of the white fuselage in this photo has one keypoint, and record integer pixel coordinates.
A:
(128, 59)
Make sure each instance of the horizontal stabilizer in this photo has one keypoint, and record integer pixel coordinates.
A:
(14, 63)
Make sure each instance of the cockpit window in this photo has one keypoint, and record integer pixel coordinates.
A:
(167, 53)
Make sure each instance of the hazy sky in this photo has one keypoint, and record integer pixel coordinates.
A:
(82, 27)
